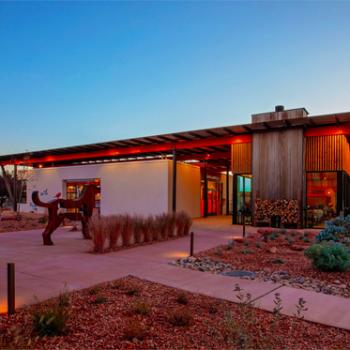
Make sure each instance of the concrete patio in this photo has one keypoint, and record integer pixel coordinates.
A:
(44, 271)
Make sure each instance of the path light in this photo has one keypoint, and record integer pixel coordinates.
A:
(191, 243)
(11, 288)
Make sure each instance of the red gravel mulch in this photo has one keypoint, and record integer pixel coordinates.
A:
(255, 255)
(105, 317)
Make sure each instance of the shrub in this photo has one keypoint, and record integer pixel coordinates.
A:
(182, 298)
(142, 308)
(51, 320)
(337, 230)
(134, 330)
(180, 317)
(329, 256)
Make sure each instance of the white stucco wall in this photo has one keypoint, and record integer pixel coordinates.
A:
(130, 187)
(188, 188)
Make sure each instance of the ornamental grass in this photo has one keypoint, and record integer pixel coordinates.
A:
(116, 231)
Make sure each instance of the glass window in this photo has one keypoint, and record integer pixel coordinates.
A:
(321, 192)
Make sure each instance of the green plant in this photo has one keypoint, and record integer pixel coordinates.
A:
(258, 245)
(329, 256)
(134, 329)
(235, 330)
(182, 298)
(180, 317)
(246, 251)
(141, 307)
(50, 320)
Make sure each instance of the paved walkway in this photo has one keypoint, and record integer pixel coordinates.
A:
(44, 271)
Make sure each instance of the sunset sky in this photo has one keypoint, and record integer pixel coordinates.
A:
(82, 72)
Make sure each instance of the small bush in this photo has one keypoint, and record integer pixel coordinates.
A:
(329, 256)
(213, 309)
(134, 330)
(218, 252)
(94, 290)
(133, 290)
(182, 298)
(142, 308)
(43, 219)
(258, 245)
(180, 318)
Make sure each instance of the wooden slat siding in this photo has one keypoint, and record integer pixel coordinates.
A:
(327, 153)
(278, 163)
(242, 158)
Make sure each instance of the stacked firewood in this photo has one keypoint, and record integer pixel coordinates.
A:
(286, 209)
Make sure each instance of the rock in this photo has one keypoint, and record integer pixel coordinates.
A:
(343, 286)
(337, 282)
(240, 273)
(273, 250)
(277, 261)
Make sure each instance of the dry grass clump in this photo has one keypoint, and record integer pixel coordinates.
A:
(180, 317)
(134, 329)
(112, 232)
(99, 230)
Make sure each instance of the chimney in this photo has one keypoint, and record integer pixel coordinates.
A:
(280, 114)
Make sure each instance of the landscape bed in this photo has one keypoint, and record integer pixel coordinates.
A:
(280, 260)
(135, 314)
(10, 222)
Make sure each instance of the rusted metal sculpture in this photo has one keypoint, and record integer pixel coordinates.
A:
(85, 204)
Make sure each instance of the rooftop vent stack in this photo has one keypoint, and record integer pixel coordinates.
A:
(279, 108)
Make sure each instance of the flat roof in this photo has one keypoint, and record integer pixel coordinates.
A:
(203, 141)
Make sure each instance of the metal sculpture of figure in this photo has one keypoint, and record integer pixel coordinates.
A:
(85, 205)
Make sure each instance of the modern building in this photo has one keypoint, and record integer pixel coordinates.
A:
(284, 167)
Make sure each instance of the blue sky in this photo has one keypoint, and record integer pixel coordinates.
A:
(81, 72)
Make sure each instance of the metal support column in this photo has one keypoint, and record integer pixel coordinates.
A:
(228, 188)
(15, 195)
(174, 180)
(205, 190)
